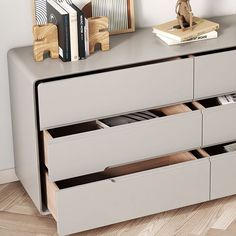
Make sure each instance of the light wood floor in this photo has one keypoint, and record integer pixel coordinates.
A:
(19, 217)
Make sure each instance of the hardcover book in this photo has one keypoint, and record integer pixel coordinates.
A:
(173, 31)
(73, 29)
(58, 16)
(86, 34)
(81, 31)
(230, 147)
(169, 41)
(226, 99)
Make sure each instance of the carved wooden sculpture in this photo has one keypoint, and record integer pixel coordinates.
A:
(45, 39)
(184, 14)
(98, 33)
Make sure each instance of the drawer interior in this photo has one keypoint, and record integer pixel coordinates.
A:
(131, 168)
(74, 129)
(116, 171)
(120, 170)
(70, 146)
(116, 121)
(213, 102)
(220, 149)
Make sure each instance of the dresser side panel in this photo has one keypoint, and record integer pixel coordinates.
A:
(24, 122)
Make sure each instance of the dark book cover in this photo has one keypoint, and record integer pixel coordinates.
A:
(81, 36)
(58, 16)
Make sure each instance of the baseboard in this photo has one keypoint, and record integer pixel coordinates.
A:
(7, 176)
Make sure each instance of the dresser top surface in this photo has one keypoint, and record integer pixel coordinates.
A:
(127, 49)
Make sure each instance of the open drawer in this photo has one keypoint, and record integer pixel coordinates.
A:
(93, 146)
(223, 170)
(89, 202)
(218, 121)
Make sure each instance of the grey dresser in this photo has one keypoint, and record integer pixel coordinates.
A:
(52, 100)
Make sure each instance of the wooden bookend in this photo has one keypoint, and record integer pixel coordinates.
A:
(45, 40)
(98, 33)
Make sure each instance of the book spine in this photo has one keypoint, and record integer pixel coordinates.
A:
(66, 33)
(205, 36)
(170, 41)
(73, 30)
(74, 38)
(164, 34)
(81, 23)
(209, 29)
(86, 33)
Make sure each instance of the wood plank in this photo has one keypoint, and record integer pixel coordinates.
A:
(227, 214)
(11, 195)
(26, 223)
(207, 219)
(203, 218)
(25, 207)
(8, 232)
(217, 232)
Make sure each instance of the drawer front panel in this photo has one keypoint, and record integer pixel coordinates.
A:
(219, 124)
(215, 74)
(92, 152)
(223, 175)
(107, 202)
(89, 97)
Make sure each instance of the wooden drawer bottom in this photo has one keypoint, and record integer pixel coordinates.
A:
(122, 193)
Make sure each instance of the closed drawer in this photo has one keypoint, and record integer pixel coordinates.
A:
(223, 174)
(218, 121)
(215, 74)
(78, 207)
(104, 146)
(100, 95)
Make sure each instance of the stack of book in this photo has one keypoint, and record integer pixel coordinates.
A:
(172, 34)
(73, 34)
(230, 147)
(226, 99)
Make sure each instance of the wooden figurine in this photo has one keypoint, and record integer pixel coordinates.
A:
(98, 33)
(45, 39)
(184, 14)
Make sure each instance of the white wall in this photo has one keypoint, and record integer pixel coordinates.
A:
(151, 12)
(16, 24)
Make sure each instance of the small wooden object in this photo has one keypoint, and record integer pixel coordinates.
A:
(175, 109)
(98, 33)
(198, 105)
(184, 14)
(45, 39)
